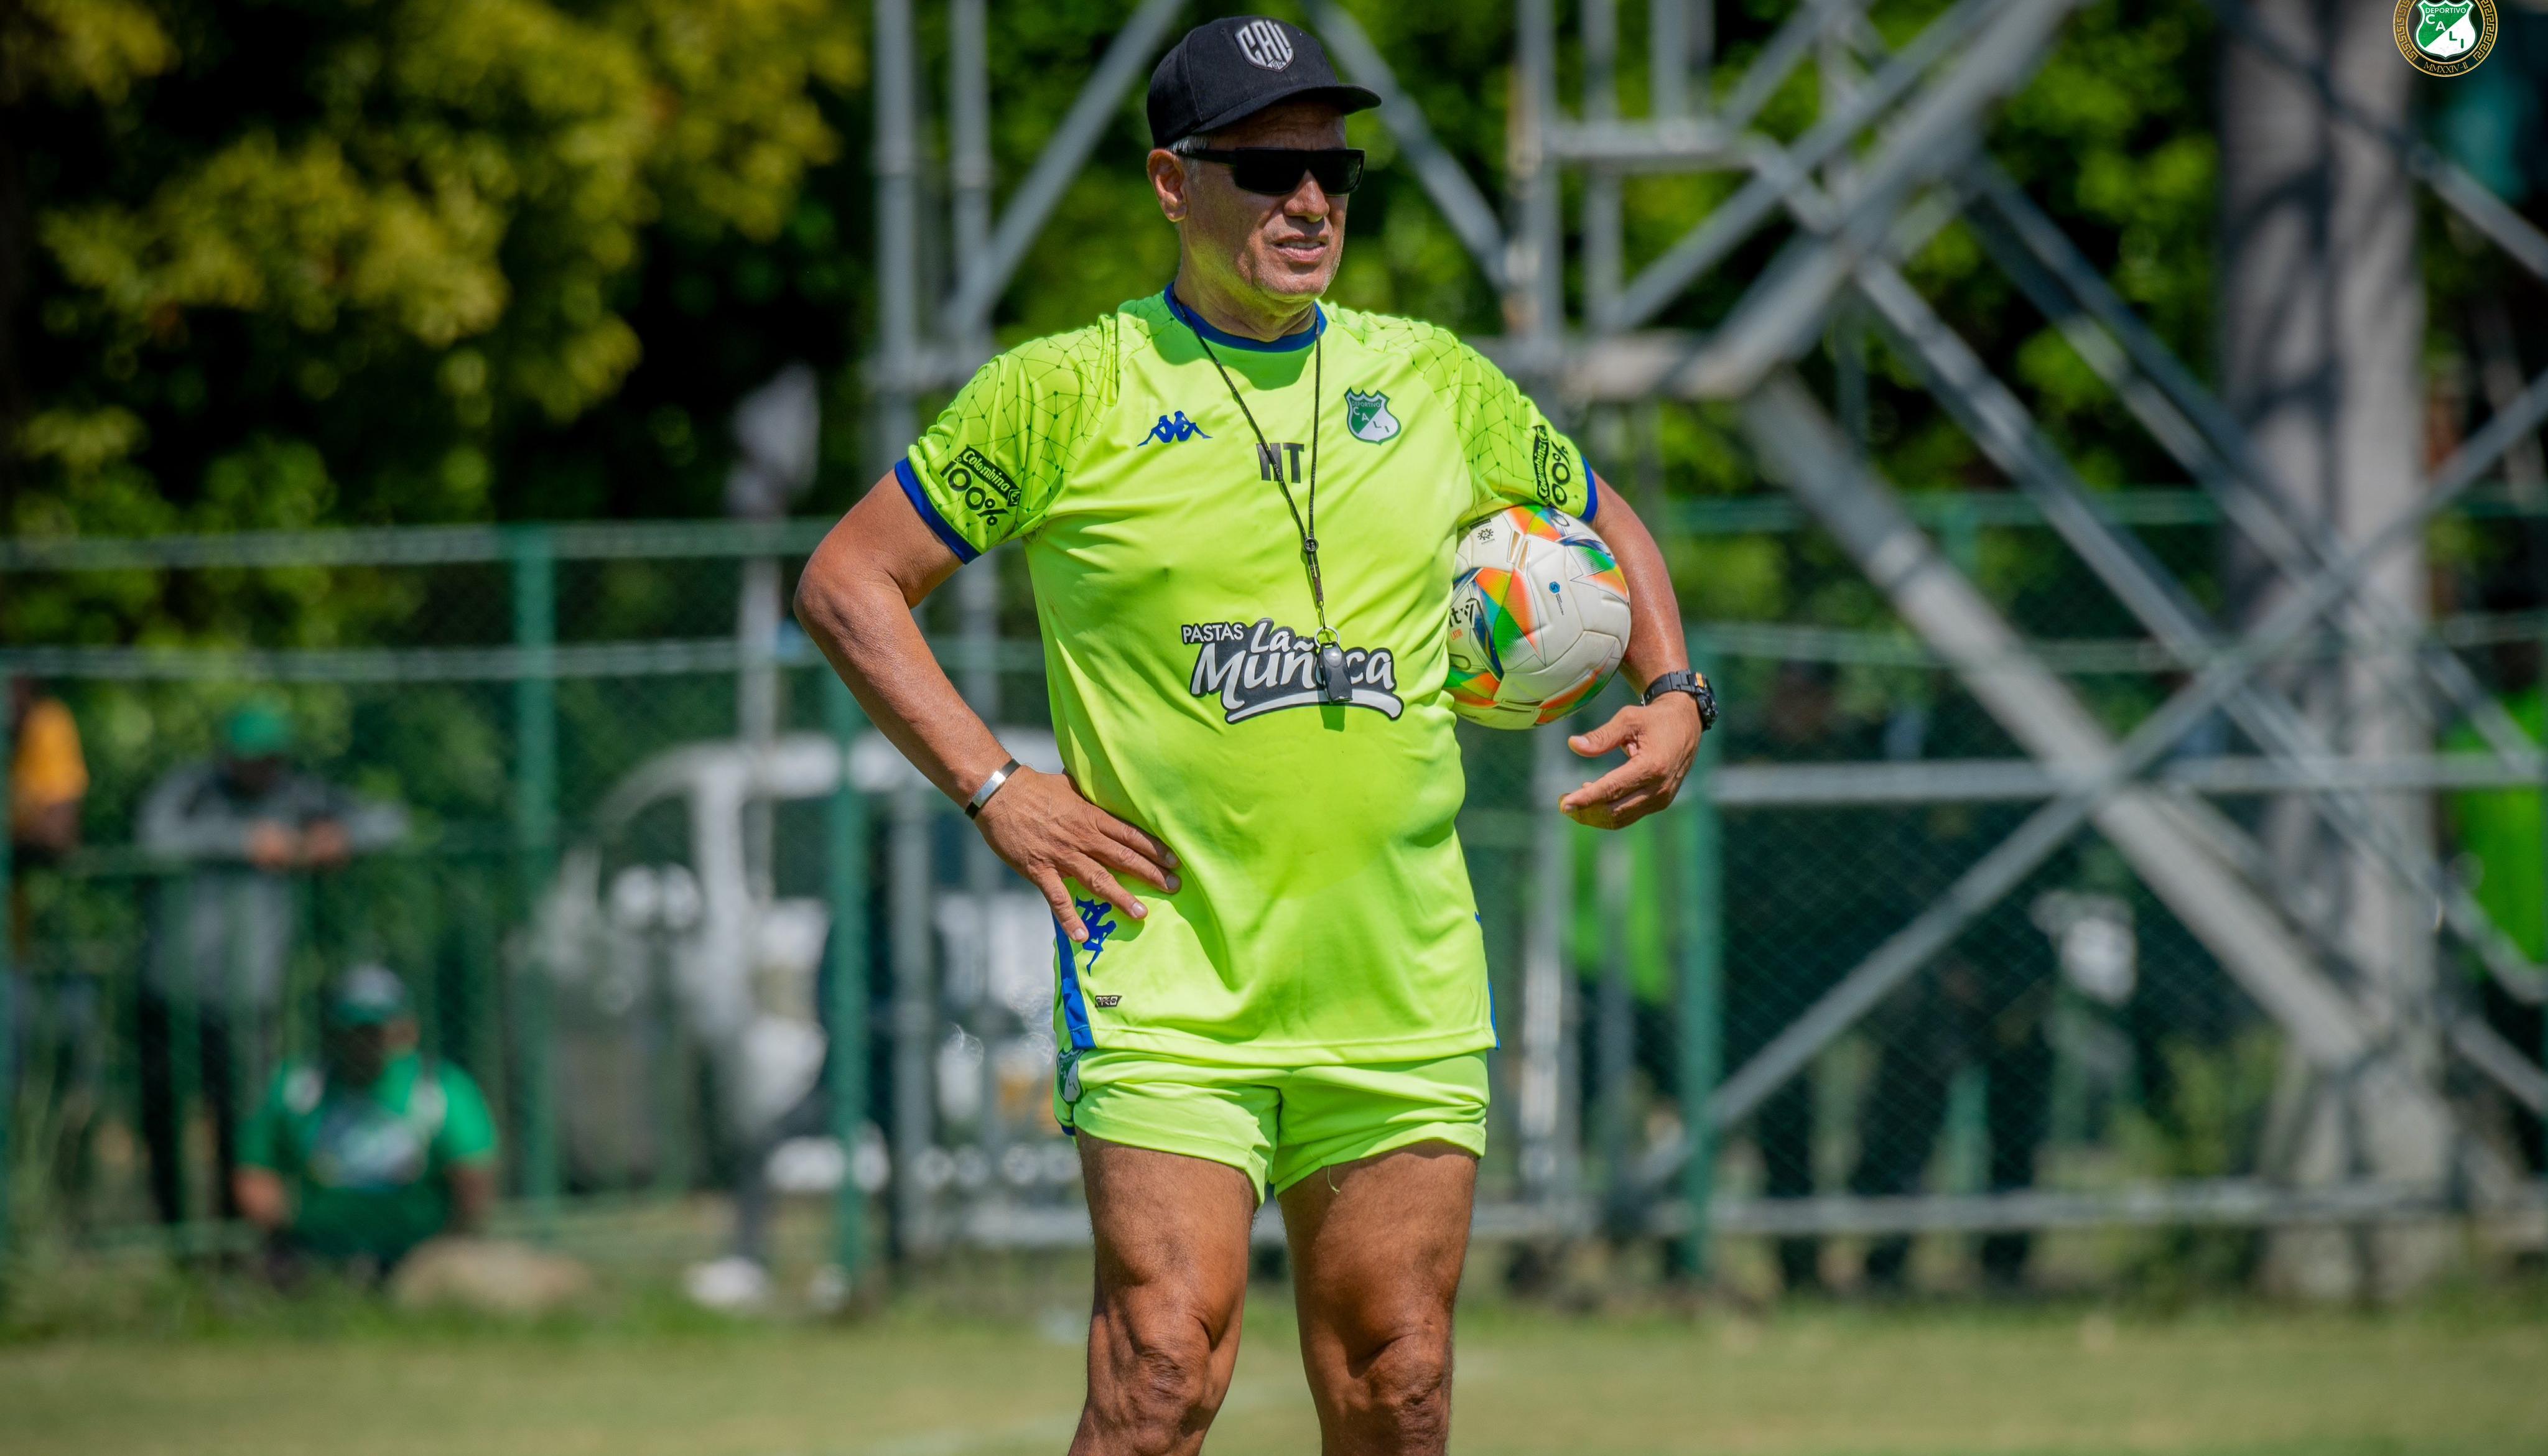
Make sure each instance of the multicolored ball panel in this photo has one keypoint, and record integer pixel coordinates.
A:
(1539, 617)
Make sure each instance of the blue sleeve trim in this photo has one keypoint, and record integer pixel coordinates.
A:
(1591, 488)
(938, 527)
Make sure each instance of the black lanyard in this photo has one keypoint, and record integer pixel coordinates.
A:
(1332, 654)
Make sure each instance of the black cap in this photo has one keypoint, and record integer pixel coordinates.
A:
(1237, 67)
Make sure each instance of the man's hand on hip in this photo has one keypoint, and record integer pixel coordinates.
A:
(1661, 739)
(1046, 831)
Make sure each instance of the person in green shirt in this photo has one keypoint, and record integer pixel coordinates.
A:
(356, 1158)
(1239, 510)
(2499, 833)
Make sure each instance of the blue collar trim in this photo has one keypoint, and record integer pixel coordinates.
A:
(1287, 344)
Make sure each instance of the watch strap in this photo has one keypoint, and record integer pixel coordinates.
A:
(1689, 681)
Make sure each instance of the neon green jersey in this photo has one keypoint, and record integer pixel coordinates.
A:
(1324, 914)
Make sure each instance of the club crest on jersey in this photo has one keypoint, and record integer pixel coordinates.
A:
(1259, 669)
(1367, 417)
(1173, 429)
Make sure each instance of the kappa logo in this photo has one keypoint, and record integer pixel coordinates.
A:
(1099, 919)
(1263, 43)
(1263, 669)
(1367, 417)
(1172, 430)
(986, 490)
(2445, 38)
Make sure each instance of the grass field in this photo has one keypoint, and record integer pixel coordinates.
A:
(909, 1383)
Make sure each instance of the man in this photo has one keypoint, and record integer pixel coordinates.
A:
(358, 1157)
(60, 1050)
(1256, 726)
(48, 776)
(237, 827)
(1985, 1004)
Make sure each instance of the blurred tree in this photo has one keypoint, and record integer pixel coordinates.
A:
(280, 262)
(272, 264)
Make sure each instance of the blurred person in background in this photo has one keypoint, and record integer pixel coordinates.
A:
(47, 781)
(739, 1279)
(60, 1053)
(2502, 839)
(232, 832)
(1978, 1011)
(1802, 904)
(355, 1159)
(1982, 1006)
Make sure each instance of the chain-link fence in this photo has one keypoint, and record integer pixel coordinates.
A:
(704, 941)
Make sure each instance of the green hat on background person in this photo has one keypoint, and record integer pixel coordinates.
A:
(256, 729)
(366, 996)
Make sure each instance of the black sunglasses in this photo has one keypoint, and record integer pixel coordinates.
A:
(1274, 171)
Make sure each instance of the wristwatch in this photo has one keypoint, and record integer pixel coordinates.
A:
(1686, 681)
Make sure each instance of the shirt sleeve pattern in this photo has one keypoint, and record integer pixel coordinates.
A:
(991, 465)
(1515, 457)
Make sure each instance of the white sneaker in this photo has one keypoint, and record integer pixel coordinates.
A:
(733, 1284)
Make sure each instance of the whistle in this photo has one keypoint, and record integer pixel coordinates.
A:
(1333, 686)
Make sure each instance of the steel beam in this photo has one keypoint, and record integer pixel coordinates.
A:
(1780, 173)
(1127, 57)
(2454, 188)
(1993, 417)
(1781, 315)
(1779, 58)
(968, 135)
(1472, 219)
(892, 378)
(2186, 420)
(2410, 1127)
(2004, 781)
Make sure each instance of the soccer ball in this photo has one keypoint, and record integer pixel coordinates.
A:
(1539, 617)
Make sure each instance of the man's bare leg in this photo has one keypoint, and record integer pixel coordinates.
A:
(1171, 1279)
(1376, 1248)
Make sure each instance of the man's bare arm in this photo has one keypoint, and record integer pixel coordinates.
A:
(1662, 739)
(855, 601)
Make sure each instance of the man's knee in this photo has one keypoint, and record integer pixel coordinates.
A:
(1153, 1386)
(1404, 1385)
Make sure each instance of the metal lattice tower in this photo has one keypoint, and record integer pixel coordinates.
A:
(1896, 154)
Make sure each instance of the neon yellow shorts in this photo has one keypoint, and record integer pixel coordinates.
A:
(1278, 1126)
